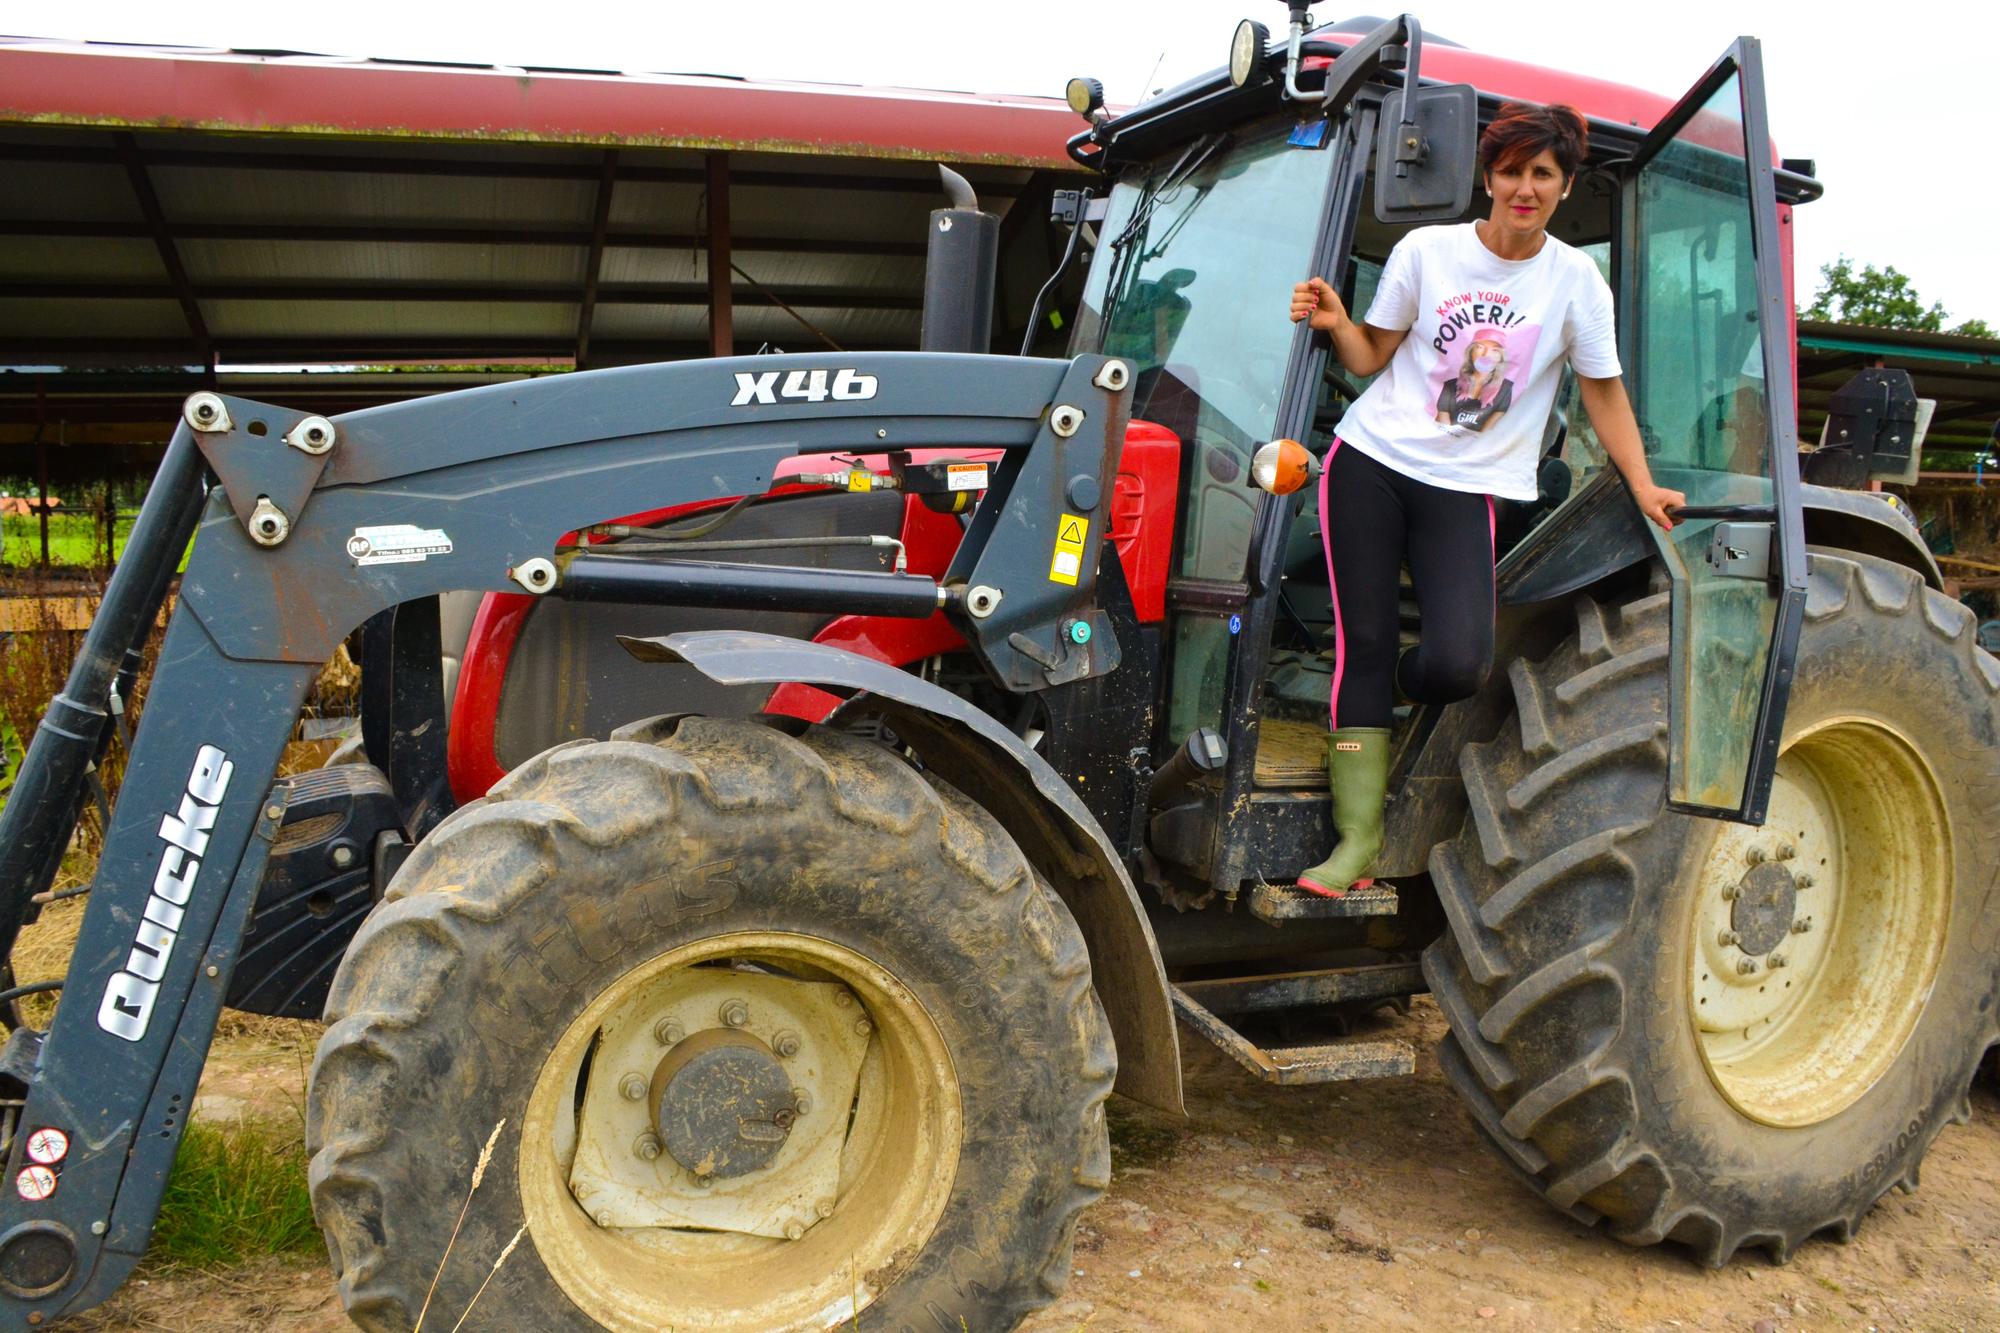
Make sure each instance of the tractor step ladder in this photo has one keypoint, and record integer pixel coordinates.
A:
(1278, 903)
(1331, 1062)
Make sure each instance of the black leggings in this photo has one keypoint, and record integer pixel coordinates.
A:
(1370, 518)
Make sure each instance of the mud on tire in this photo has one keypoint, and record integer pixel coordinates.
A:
(595, 857)
(1565, 973)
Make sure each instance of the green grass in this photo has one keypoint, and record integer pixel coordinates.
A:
(238, 1192)
(1138, 1138)
(74, 539)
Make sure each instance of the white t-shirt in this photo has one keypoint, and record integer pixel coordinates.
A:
(1465, 400)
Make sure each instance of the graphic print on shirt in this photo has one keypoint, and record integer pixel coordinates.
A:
(1482, 350)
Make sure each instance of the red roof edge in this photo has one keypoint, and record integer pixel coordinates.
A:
(124, 87)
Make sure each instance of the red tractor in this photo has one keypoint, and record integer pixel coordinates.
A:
(813, 853)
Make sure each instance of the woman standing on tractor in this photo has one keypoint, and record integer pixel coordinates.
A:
(1497, 307)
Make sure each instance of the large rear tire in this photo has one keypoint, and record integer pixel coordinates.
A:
(1685, 1029)
(711, 891)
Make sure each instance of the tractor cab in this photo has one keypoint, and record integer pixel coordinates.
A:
(1301, 159)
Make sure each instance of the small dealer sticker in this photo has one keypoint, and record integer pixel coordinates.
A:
(1072, 531)
(397, 544)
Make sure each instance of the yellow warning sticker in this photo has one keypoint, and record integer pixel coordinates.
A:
(1072, 531)
(857, 480)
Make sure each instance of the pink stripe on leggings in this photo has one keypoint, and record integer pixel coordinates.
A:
(1493, 549)
(1332, 587)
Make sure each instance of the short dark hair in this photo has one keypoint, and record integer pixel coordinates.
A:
(1522, 130)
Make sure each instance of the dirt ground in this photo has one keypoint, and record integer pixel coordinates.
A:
(1353, 1206)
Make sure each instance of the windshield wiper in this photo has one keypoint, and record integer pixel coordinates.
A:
(1125, 255)
(1189, 162)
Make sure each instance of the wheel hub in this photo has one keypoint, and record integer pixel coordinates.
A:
(1816, 938)
(1765, 907)
(721, 1103)
(639, 1242)
(740, 1123)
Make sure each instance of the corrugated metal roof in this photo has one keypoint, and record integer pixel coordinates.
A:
(165, 205)
(1962, 374)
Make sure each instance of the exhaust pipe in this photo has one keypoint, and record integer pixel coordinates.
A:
(960, 271)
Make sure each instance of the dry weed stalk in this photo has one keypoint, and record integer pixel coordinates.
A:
(489, 1277)
(478, 1174)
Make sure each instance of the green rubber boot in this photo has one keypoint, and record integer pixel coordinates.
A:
(1357, 771)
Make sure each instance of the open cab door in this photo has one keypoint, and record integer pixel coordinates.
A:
(1706, 331)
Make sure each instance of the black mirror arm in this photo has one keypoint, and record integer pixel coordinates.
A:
(1410, 148)
(1397, 44)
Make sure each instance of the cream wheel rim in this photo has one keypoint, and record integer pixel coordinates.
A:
(899, 1143)
(1817, 938)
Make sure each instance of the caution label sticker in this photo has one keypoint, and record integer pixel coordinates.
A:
(965, 476)
(1072, 531)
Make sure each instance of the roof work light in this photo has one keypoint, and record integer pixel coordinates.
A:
(1246, 48)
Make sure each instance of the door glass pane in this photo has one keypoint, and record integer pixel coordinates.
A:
(1201, 667)
(1698, 390)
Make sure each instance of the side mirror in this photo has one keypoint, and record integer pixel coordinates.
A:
(1424, 169)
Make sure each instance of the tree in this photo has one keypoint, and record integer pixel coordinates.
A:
(1880, 298)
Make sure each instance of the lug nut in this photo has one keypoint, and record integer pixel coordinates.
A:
(1727, 938)
(647, 1148)
(632, 1087)
(701, 1182)
(802, 1102)
(668, 1033)
(1803, 881)
(343, 856)
(824, 1208)
(843, 998)
(786, 1044)
(1777, 960)
(603, 1218)
(1756, 856)
(1747, 967)
(1803, 926)
(1786, 851)
(794, 1229)
(1729, 893)
(863, 1026)
(735, 1013)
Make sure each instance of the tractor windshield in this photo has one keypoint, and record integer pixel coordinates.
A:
(1193, 275)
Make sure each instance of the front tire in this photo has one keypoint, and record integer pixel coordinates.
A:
(603, 906)
(1685, 1029)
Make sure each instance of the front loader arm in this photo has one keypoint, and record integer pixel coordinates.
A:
(462, 491)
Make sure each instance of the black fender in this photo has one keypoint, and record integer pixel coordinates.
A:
(1602, 532)
(990, 764)
(1868, 523)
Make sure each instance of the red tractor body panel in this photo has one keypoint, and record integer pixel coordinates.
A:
(1141, 527)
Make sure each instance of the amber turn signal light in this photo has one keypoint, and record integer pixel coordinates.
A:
(1283, 466)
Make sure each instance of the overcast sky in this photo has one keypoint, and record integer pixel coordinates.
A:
(1887, 98)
